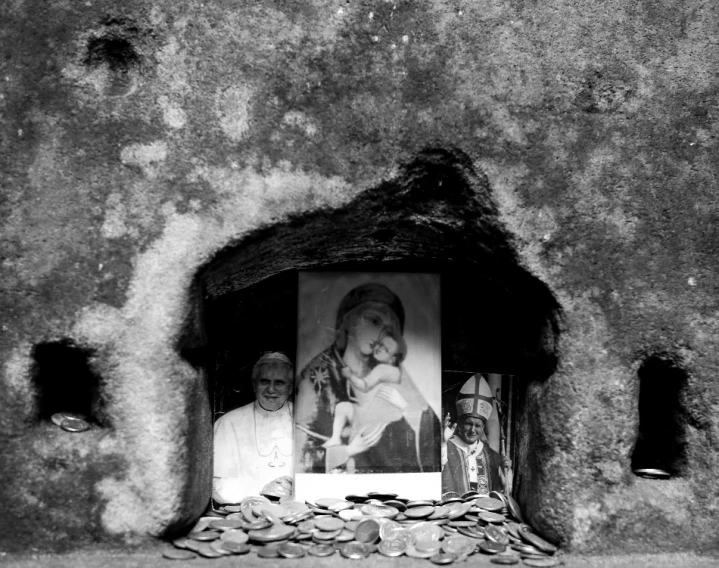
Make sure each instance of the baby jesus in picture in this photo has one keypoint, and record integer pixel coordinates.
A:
(368, 409)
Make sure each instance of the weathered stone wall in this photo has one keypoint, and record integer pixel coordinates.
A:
(140, 138)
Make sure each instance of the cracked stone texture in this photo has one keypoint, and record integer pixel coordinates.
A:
(139, 139)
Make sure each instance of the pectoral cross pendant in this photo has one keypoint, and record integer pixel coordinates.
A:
(275, 461)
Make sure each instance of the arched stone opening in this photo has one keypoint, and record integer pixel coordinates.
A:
(437, 216)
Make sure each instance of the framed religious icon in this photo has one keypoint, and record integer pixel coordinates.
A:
(368, 384)
(479, 439)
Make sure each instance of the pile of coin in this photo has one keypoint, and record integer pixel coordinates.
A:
(359, 525)
(70, 421)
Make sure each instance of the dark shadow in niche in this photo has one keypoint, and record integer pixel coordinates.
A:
(65, 382)
(662, 418)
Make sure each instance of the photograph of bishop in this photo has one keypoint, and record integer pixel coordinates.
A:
(468, 463)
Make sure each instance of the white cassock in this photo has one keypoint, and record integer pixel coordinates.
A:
(252, 446)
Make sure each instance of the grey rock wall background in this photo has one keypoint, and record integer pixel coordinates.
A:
(139, 139)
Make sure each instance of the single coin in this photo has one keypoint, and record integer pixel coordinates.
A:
(306, 526)
(397, 504)
(419, 503)
(268, 551)
(272, 534)
(291, 550)
(512, 529)
(357, 498)
(352, 525)
(232, 508)
(248, 503)
(498, 496)
(205, 549)
(178, 554)
(297, 517)
(469, 495)
(457, 510)
(505, 559)
(235, 547)
(449, 500)
(427, 545)
(382, 496)
(652, 473)
(270, 511)
(466, 523)
(204, 535)
(491, 547)
(329, 523)
(414, 553)
(350, 514)
(549, 561)
(180, 542)
(372, 510)
(216, 545)
(392, 547)
(388, 529)
(496, 534)
(449, 531)
(401, 517)
(525, 548)
(367, 531)
(426, 531)
(472, 532)
(235, 516)
(301, 537)
(235, 535)
(341, 506)
(193, 545)
(492, 517)
(420, 512)
(489, 504)
(514, 509)
(439, 512)
(257, 525)
(74, 425)
(443, 558)
(345, 536)
(321, 550)
(536, 540)
(355, 550)
(459, 544)
(226, 524)
(325, 536)
(326, 502)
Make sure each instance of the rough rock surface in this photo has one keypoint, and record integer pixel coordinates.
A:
(143, 142)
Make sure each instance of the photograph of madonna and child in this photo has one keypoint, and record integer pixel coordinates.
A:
(368, 391)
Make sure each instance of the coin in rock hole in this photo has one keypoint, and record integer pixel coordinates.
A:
(443, 558)
(506, 559)
(178, 554)
(74, 425)
(248, 503)
(541, 561)
(491, 547)
(235, 535)
(204, 535)
(329, 523)
(495, 533)
(326, 502)
(458, 544)
(268, 551)
(58, 417)
(355, 550)
(367, 531)
(321, 550)
(414, 553)
(236, 547)
(489, 504)
(421, 512)
(205, 549)
(350, 514)
(291, 550)
(379, 511)
(216, 545)
(536, 540)
(226, 524)
(392, 547)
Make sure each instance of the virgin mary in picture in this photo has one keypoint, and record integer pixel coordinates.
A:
(357, 409)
